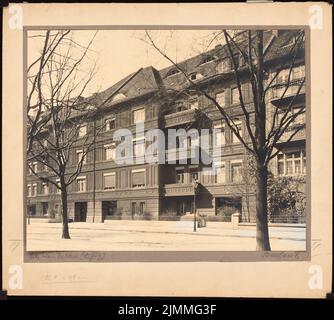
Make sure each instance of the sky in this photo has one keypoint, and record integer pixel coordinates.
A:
(119, 53)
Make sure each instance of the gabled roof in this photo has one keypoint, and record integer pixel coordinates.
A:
(141, 82)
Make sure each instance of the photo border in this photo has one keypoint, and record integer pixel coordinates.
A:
(172, 256)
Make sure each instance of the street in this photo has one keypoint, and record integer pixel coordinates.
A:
(124, 235)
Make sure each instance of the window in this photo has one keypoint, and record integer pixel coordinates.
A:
(109, 182)
(172, 72)
(109, 151)
(234, 139)
(223, 66)
(45, 188)
(139, 115)
(80, 156)
(291, 163)
(195, 76)
(220, 98)
(134, 208)
(220, 176)
(241, 61)
(29, 190)
(32, 166)
(180, 175)
(219, 135)
(298, 72)
(207, 59)
(236, 171)
(194, 175)
(110, 123)
(83, 130)
(299, 120)
(34, 190)
(234, 95)
(58, 183)
(141, 208)
(138, 178)
(81, 183)
(139, 148)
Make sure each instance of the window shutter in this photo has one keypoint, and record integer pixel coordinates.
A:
(138, 178)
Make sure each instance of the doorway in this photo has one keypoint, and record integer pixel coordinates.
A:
(109, 208)
(80, 213)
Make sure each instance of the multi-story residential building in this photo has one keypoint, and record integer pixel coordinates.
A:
(159, 99)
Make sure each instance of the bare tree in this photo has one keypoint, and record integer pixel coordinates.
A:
(264, 130)
(59, 118)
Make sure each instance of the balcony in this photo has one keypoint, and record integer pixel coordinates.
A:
(182, 117)
(277, 91)
(300, 135)
(181, 154)
(176, 189)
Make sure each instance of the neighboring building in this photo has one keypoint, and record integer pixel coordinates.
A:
(163, 191)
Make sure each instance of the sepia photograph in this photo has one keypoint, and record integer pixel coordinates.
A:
(167, 150)
(166, 140)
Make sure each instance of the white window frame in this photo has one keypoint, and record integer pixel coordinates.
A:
(234, 138)
(108, 122)
(220, 95)
(35, 166)
(234, 162)
(301, 158)
(84, 132)
(81, 178)
(29, 190)
(84, 161)
(58, 191)
(143, 116)
(232, 102)
(34, 190)
(110, 146)
(136, 171)
(107, 175)
(142, 143)
(222, 134)
(218, 167)
(45, 188)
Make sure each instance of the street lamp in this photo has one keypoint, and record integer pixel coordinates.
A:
(195, 186)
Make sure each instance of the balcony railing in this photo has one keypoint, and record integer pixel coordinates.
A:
(278, 90)
(177, 189)
(182, 117)
(300, 135)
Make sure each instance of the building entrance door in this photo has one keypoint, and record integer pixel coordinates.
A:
(80, 213)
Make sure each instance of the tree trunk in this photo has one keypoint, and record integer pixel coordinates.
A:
(262, 232)
(65, 232)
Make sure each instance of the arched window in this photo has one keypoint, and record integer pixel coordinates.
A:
(207, 59)
(172, 72)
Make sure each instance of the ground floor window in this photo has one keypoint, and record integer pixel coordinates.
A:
(109, 208)
(291, 162)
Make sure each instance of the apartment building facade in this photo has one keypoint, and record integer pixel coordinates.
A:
(160, 99)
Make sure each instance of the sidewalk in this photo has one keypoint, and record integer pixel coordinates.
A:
(157, 235)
